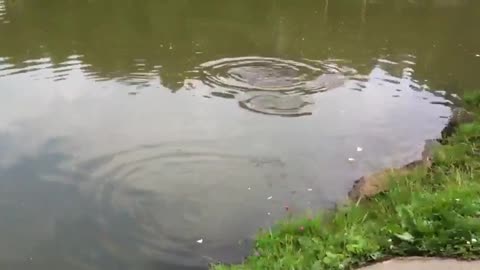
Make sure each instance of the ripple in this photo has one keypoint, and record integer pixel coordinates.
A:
(278, 104)
(263, 74)
(271, 86)
(11, 70)
(3, 10)
(41, 67)
(171, 194)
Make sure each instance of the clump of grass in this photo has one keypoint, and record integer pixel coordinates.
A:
(472, 98)
(429, 212)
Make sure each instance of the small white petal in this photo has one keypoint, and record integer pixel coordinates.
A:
(359, 149)
(351, 159)
(474, 240)
(200, 241)
(477, 55)
(269, 198)
(249, 188)
(310, 189)
(269, 213)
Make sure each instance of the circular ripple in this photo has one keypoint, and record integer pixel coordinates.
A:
(265, 74)
(163, 198)
(278, 104)
(270, 86)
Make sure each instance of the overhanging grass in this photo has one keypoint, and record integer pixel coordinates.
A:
(429, 212)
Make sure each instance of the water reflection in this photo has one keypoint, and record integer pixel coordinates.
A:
(129, 130)
(172, 212)
(2, 11)
(41, 220)
(134, 182)
(136, 42)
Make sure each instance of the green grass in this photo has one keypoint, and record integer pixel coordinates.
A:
(429, 212)
(472, 98)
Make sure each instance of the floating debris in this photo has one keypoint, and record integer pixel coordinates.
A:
(269, 213)
(269, 198)
(359, 149)
(200, 241)
(249, 188)
(309, 189)
(477, 55)
(351, 159)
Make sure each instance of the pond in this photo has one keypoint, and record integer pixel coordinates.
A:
(163, 134)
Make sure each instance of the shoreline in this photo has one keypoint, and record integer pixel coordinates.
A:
(429, 208)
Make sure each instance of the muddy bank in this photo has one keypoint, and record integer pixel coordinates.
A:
(368, 186)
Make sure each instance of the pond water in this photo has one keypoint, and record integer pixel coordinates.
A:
(162, 134)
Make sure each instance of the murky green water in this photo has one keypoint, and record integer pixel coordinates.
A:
(130, 131)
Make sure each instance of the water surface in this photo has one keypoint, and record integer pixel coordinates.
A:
(131, 130)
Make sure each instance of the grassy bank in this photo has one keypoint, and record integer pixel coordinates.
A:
(429, 212)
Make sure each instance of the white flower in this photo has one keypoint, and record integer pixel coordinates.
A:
(468, 242)
(389, 240)
(474, 240)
